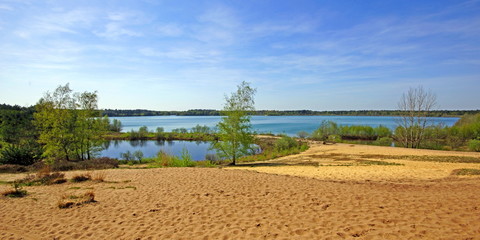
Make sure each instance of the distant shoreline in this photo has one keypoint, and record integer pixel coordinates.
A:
(210, 112)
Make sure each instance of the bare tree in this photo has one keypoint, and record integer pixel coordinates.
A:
(415, 106)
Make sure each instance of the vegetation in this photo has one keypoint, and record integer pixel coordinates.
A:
(234, 130)
(69, 124)
(16, 192)
(466, 172)
(76, 200)
(275, 148)
(416, 105)
(165, 160)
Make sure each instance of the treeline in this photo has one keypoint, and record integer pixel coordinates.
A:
(464, 135)
(211, 112)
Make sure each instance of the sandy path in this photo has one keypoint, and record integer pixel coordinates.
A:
(192, 203)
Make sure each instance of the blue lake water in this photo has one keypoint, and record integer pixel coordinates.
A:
(289, 125)
(150, 148)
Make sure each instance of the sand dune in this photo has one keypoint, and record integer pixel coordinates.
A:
(189, 203)
(418, 200)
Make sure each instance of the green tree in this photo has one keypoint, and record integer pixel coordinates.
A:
(69, 124)
(234, 130)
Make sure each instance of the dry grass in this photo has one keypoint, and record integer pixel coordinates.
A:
(81, 177)
(99, 176)
(16, 192)
(75, 200)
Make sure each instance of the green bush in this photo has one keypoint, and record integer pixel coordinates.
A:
(334, 138)
(20, 155)
(474, 145)
(285, 143)
(384, 141)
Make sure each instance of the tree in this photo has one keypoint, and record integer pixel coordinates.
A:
(415, 106)
(234, 130)
(69, 124)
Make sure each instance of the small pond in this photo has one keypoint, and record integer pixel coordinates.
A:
(150, 148)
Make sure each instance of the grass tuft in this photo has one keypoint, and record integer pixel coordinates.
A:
(76, 200)
(466, 172)
(81, 177)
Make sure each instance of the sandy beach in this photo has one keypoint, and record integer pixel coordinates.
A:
(286, 200)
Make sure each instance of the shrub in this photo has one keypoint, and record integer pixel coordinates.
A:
(474, 145)
(303, 134)
(384, 141)
(285, 143)
(334, 138)
(11, 168)
(20, 155)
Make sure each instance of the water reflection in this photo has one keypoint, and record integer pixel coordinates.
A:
(150, 148)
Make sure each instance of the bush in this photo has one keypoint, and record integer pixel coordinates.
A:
(285, 143)
(302, 134)
(12, 168)
(334, 138)
(384, 141)
(165, 160)
(20, 155)
(474, 145)
(16, 192)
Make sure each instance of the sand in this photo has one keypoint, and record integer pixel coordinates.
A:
(229, 203)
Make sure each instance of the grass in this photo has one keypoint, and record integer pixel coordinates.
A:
(16, 192)
(99, 176)
(466, 172)
(76, 200)
(449, 159)
(43, 177)
(81, 177)
(383, 163)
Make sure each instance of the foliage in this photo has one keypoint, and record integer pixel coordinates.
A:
(69, 124)
(271, 148)
(179, 130)
(384, 141)
(201, 129)
(303, 134)
(165, 160)
(115, 126)
(474, 145)
(234, 130)
(285, 143)
(325, 129)
(19, 154)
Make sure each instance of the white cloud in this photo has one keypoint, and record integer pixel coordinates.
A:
(170, 30)
(5, 7)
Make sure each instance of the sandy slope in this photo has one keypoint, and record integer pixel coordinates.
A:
(194, 203)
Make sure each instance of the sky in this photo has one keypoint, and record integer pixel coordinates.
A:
(298, 54)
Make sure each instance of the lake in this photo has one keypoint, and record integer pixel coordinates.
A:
(289, 125)
(150, 148)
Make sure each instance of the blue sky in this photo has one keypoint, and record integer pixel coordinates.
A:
(179, 55)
